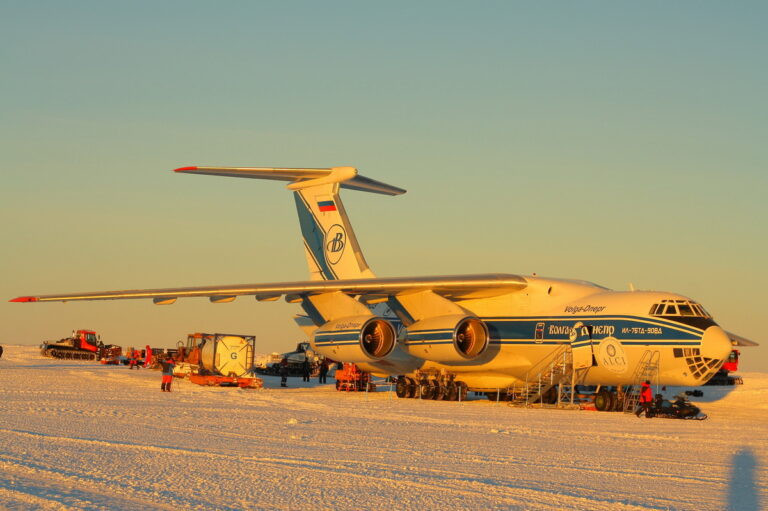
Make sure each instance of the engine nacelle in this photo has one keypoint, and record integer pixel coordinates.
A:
(447, 339)
(356, 339)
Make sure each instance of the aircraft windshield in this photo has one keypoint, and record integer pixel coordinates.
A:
(678, 308)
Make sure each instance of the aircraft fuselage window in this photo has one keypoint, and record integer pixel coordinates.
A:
(685, 309)
(671, 310)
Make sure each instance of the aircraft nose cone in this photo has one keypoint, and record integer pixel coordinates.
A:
(715, 343)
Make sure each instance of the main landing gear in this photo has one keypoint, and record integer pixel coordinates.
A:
(440, 388)
(610, 399)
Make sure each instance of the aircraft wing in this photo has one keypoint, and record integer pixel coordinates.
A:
(451, 287)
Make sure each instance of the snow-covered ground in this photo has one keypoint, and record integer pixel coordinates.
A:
(84, 436)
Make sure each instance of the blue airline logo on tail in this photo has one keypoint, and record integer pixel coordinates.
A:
(335, 242)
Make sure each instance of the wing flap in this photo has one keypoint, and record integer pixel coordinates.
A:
(453, 287)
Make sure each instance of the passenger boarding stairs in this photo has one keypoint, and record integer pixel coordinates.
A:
(555, 370)
(647, 369)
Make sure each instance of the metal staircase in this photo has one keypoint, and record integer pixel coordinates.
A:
(647, 369)
(556, 369)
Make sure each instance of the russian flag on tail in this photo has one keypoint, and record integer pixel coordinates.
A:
(326, 205)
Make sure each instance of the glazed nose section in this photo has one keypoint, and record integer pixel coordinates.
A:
(715, 343)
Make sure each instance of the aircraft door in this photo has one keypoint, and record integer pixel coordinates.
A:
(581, 346)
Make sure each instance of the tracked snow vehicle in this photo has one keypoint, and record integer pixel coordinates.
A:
(82, 345)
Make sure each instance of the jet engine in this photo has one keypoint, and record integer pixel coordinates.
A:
(356, 339)
(447, 339)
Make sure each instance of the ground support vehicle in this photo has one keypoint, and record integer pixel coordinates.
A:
(680, 408)
(82, 345)
(223, 360)
(352, 379)
(110, 354)
(723, 376)
(295, 362)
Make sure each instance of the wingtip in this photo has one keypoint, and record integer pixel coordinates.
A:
(24, 299)
(182, 169)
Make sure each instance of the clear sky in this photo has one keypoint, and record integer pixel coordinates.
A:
(615, 142)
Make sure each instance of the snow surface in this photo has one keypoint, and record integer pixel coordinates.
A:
(78, 435)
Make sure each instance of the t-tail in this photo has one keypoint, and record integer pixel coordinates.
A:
(330, 244)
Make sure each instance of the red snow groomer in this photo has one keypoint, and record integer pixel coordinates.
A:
(352, 379)
(82, 345)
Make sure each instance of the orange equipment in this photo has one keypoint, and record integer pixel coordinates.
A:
(352, 379)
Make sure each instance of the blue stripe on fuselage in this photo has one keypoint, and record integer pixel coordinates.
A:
(519, 331)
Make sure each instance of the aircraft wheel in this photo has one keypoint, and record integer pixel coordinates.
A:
(452, 392)
(439, 391)
(426, 390)
(401, 387)
(411, 388)
(462, 390)
(550, 396)
(604, 401)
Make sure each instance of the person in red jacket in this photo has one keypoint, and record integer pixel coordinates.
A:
(646, 400)
(167, 364)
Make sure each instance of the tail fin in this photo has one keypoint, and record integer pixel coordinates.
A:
(330, 243)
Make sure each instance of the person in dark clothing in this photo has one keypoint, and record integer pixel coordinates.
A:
(305, 370)
(323, 372)
(1, 351)
(167, 364)
(646, 400)
(284, 373)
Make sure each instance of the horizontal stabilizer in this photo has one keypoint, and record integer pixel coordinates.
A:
(738, 340)
(302, 178)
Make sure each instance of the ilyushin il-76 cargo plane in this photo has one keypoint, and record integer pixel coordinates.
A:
(464, 332)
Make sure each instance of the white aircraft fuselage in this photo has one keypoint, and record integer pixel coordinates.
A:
(526, 327)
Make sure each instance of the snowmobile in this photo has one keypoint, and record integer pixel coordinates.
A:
(680, 408)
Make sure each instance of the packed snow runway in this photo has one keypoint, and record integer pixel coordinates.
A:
(78, 435)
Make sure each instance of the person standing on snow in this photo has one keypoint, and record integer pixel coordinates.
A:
(167, 364)
(305, 370)
(323, 372)
(284, 373)
(646, 400)
(1, 352)
(132, 359)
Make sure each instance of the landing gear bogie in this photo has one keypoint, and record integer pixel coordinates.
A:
(437, 388)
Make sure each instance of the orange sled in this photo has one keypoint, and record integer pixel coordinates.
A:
(226, 381)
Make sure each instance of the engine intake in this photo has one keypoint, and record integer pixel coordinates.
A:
(357, 339)
(447, 339)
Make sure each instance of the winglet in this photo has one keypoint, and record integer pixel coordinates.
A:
(24, 299)
(182, 169)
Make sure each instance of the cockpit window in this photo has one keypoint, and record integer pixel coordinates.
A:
(678, 308)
